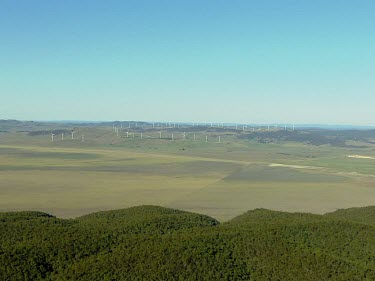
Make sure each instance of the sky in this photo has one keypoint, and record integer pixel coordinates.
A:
(264, 61)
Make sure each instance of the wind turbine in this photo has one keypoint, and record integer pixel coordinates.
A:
(160, 135)
(172, 137)
(219, 139)
(72, 132)
(62, 136)
(141, 136)
(52, 135)
(184, 136)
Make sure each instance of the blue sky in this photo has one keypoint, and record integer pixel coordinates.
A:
(204, 61)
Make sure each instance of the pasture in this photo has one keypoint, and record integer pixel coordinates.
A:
(70, 178)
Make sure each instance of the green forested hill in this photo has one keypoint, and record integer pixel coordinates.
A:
(155, 243)
(364, 215)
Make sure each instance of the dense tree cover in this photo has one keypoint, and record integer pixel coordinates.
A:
(363, 215)
(155, 243)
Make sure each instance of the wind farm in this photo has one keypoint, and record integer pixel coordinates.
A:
(187, 140)
(216, 169)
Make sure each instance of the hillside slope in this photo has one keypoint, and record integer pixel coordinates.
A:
(364, 215)
(155, 243)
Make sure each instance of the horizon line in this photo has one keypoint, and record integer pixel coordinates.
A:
(193, 122)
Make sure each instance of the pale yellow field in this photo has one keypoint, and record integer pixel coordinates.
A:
(71, 194)
(221, 180)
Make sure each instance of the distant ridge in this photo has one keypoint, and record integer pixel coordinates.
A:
(298, 126)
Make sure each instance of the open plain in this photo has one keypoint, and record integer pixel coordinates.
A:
(71, 177)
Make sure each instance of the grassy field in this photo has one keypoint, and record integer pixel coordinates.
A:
(70, 178)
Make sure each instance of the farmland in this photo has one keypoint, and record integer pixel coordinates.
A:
(276, 170)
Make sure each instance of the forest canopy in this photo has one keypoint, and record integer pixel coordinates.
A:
(155, 243)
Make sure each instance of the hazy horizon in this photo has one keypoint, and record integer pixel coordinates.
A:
(188, 61)
(215, 124)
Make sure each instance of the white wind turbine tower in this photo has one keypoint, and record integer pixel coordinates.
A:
(219, 139)
(172, 137)
(206, 139)
(72, 132)
(127, 134)
(141, 136)
(184, 136)
(194, 137)
(52, 135)
(62, 136)
(160, 135)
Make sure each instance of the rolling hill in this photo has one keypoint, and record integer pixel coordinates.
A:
(155, 243)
